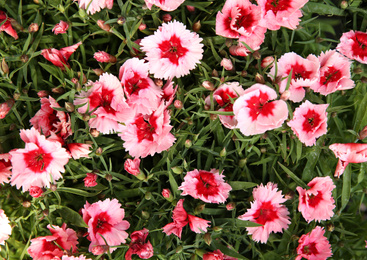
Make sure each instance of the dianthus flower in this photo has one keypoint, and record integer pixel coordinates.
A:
(334, 73)
(81, 257)
(138, 246)
(172, 51)
(304, 73)
(60, 27)
(5, 107)
(5, 228)
(105, 222)
(267, 210)
(90, 180)
(38, 162)
(309, 122)
(93, 6)
(6, 25)
(102, 56)
(165, 5)
(353, 44)
(317, 202)
(256, 113)
(59, 57)
(314, 245)
(348, 153)
(207, 186)
(5, 167)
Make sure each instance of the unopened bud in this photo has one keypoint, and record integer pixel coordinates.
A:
(190, 8)
(53, 187)
(334, 114)
(99, 250)
(26, 204)
(58, 90)
(69, 107)
(16, 95)
(179, 249)
(242, 162)
(166, 18)
(121, 20)
(289, 195)
(215, 73)
(103, 26)
(263, 149)
(267, 62)
(176, 169)
(142, 27)
(259, 78)
(226, 64)
(285, 95)
(244, 73)
(33, 27)
(148, 195)
(213, 116)
(330, 227)
(99, 151)
(208, 85)
(223, 153)
(5, 107)
(343, 4)
(158, 82)
(196, 26)
(84, 78)
(188, 143)
(24, 58)
(45, 212)
(199, 208)
(217, 229)
(4, 67)
(357, 70)
(222, 80)
(109, 177)
(145, 215)
(94, 132)
(319, 39)
(229, 42)
(256, 55)
(167, 194)
(98, 72)
(230, 206)
(42, 93)
(363, 134)
(208, 239)
(206, 107)
(178, 104)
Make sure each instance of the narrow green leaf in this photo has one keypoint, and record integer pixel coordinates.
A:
(322, 9)
(225, 250)
(346, 187)
(71, 216)
(241, 185)
(77, 192)
(293, 176)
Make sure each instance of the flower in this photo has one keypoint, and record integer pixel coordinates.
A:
(5, 167)
(5, 228)
(103, 56)
(48, 247)
(317, 203)
(305, 72)
(5, 107)
(93, 6)
(81, 257)
(172, 51)
(266, 209)
(35, 191)
(334, 73)
(226, 64)
(38, 161)
(353, 45)
(90, 180)
(105, 219)
(215, 255)
(256, 114)
(59, 57)
(6, 25)
(279, 13)
(106, 99)
(60, 27)
(181, 219)
(148, 134)
(138, 246)
(165, 5)
(132, 166)
(207, 186)
(348, 153)
(309, 122)
(78, 150)
(314, 245)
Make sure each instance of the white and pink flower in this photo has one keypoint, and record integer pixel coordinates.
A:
(5, 168)
(138, 246)
(102, 56)
(59, 57)
(173, 51)
(256, 113)
(5, 228)
(93, 6)
(314, 245)
(165, 5)
(60, 27)
(90, 180)
(309, 122)
(267, 210)
(353, 44)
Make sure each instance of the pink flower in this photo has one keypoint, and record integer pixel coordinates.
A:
(353, 45)
(148, 134)
(181, 219)
(5, 228)
(35, 191)
(5, 107)
(279, 13)
(38, 161)
(305, 72)
(5, 167)
(267, 211)
(46, 248)
(256, 114)
(78, 150)
(165, 5)
(104, 218)
(93, 6)
(6, 26)
(103, 56)
(59, 57)
(132, 166)
(226, 64)
(207, 186)
(48, 120)
(314, 245)
(334, 73)
(138, 246)
(142, 95)
(309, 122)
(60, 27)
(172, 51)
(90, 180)
(81, 257)
(224, 96)
(106, 99)
(166, 193)
(216, 255)
(348, 153)
(317, 203)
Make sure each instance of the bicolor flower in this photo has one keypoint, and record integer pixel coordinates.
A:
(60, 27)
(165, 5)
(93, 6)
(314, 245)
(60, 57)
(353, 44)
(5, 228)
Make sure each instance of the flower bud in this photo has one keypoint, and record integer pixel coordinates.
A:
(263, 150)
(145, 215)
(357, 70)
(259, 78)
(215, 73)
(158, 82)
(53, 187)
(109, 177)
(223, 153)
(217, 229)
(267, 61)
(45, 212)
(285, 95)
(190, 8)
(199, 208)
(167, 194)
(142, 27)
(208, 85)
(5, 107)
(121, 20)
(362, 134)
(16, 95)
(243, 73)
(99, 250)
(206, 107)
(196, 26)
(24, 58)
(99, 151)
(98, 72)
(256, 55)
(226, 64)
(42, 93)
(166, 18)
(85, 117)
(176, 169)
(178, 104)
(231, 206)
(148, 195)
(26, 204)
(58, 90)
(179, 249)
(103, 26)
(208, 239)
(94, 132)
(229, 42)
(242, 162)
(69, 107)
(344, 4)
(4, 67)
(35, 191)
(213, 116)
(236, 50)
(330, 227)
(188, 143)
(33, 27)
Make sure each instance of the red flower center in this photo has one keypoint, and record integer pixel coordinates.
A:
(314, 200)
(145, 131)
(206, 186)
(172, 49)
(134, 84)
(359, 46)
(310, 249)
(331, 74)
(265, 213)
(102, 99)
(101, 223)
(225, 97)
(277, 5)
(312, 120)
(247, 18)
(260, 105)
(37, 160)
(299, 72)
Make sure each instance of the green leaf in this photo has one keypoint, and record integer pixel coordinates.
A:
(293, 176)
(71, 216)
(77, 192)
(241, 185)
(346, 187)
(225, 250)
(322, 9)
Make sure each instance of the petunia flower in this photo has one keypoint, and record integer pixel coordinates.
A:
(348, 153)
(317, 202)
(304, 73)
(59, 57)
(38, 162)
(353, 44)
(267, 210)
(105, 223)
(6, 25)
(93, 6)
(207, 186)
(60, 27)
(172, 51)
(314, 245)
(256, 113)
(309, 122)
(278, 13)
(165, 5)
(5, 228)
(138, 246)
(334, 73)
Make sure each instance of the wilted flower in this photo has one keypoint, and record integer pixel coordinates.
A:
(6, 25)
(60, 27)
(226, 64)
(138, 246)
(59, 57)
(90, 180)
(103, 56)
(132, 166)
(35, 191)
(5, 107)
